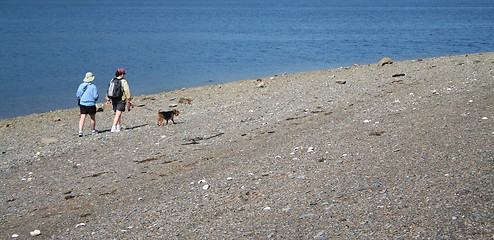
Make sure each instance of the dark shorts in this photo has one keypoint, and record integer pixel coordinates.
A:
(118, 104)
(91, 110)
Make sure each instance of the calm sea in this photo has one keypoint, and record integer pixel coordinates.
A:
(47, 46)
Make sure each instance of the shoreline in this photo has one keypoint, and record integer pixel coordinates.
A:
(240, 80)
(398, 151)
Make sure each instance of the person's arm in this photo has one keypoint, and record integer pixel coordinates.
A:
(128, 97)
(79, 91)
(95, 93)
(126, 89)
(107, 99)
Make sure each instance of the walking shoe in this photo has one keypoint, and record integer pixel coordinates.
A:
(94, 131)
(80, 134)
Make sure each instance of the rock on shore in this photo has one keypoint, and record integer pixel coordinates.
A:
(399, 151)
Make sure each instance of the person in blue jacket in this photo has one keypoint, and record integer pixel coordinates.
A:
(87, 93)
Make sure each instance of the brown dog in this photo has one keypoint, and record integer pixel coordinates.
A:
(167, 115)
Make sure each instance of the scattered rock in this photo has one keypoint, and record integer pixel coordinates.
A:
(184, 100)
(100, 107)
(320, 235)
(376, 133)
(398, 75)
(341, 81)
(80, 225)
(261, 84)
(35, 232)
(308, 215)
(385, 61)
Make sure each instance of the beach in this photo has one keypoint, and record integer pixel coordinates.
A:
(399, 151)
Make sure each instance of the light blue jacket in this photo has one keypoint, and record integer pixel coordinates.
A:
(88, 93)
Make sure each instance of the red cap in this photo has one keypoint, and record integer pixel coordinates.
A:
(121, 70)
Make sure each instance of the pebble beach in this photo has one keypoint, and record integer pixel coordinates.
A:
(398, 151)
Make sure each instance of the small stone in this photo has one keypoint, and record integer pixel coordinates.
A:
(320, 235)
(385, 61)
(35, 232)
(340, 81)
(201, 181)
(266, 209)
(485, 118)
(308, 215)
(206, 187)
(311, 149)
(15, 235)
(229, 178)
(80, 225)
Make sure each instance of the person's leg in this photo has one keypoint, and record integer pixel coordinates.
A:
(81, 123)
(116, 121)
(93, 121)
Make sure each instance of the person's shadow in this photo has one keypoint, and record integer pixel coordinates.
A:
(129, 128)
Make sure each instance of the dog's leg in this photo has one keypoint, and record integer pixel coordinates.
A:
(160, 119)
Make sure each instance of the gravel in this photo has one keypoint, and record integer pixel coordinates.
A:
(399, 151)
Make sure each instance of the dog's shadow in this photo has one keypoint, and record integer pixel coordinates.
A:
(164, 124)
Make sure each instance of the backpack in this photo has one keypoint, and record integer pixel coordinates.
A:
(115, 88)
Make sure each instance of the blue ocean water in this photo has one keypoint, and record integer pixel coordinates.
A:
(47, 46)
